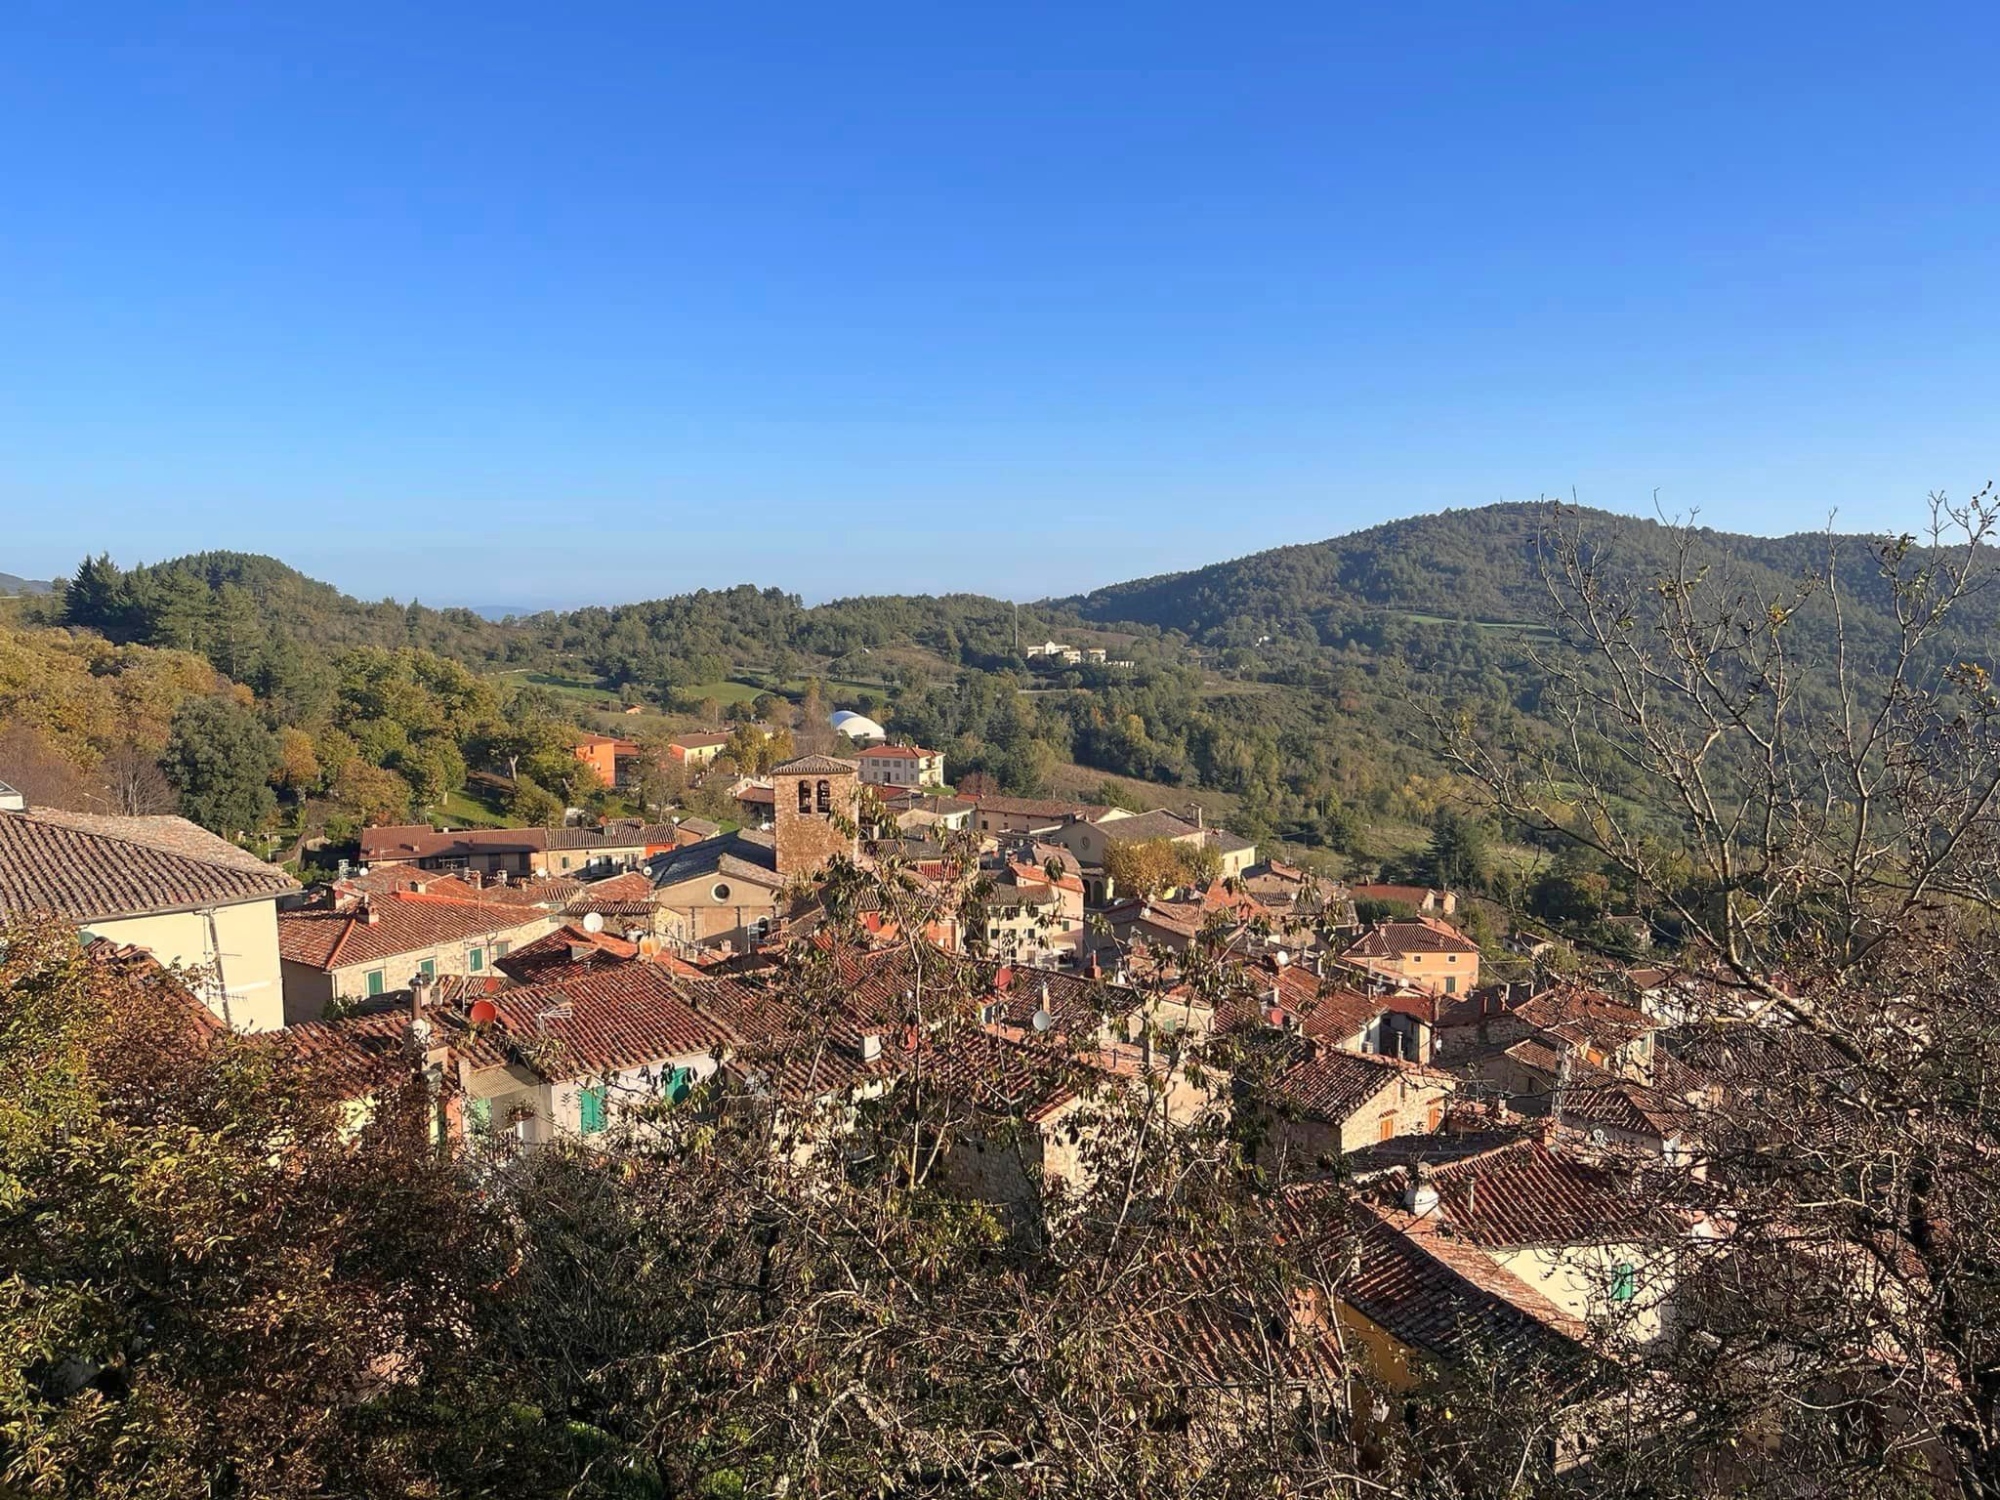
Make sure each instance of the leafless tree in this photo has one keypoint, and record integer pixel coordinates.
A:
(133, 784)
(1807, 794)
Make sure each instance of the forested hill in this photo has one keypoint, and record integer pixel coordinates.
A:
(1480, 566)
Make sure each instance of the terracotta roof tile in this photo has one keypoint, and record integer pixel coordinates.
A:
(1425, 935)
(72, 866)
(405, 922)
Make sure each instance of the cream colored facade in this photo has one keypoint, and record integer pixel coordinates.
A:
(237, 944)
(1621, 1289)
(900, 765)
(309, 990)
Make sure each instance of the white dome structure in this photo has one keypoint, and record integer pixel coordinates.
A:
(858, 727)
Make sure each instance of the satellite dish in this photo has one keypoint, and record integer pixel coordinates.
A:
(593, 921)
(1041, 1020)
(484, 1013)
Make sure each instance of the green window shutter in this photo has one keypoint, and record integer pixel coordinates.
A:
(480, 1115)
(427, 967)
(590, 1110)
(1622, 1282)
(475, 960)
(680, 1084)
(376, 981)
(502, 948)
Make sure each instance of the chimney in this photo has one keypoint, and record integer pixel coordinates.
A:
(871, 1046)
(366, 911)
(420, 1021)
(1419, 1197)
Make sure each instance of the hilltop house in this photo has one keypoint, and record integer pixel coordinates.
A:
(901, 765)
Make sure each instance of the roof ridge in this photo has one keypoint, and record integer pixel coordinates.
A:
(341, 941)
(39, 816)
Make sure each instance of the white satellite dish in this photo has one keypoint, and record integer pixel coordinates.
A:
(593, 921)
(1041, 1020)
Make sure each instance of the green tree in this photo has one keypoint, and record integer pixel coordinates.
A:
(220, 759)
(1458, 857)
(216, 1285)
(534, 804)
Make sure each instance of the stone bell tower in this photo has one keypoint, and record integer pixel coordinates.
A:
(816, 802)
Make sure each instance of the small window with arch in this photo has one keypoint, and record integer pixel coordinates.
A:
(825, 797)
(805, 797)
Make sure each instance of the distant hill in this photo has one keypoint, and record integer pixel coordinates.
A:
(1480, 566)
(10, 585)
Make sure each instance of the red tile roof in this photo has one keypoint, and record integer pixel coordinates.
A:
(565, 953)
(1330, 1084)
(1524, 1194)
(1424, 935)
(615, 1017)
(72, 866)
(361, 1054)
(893, 752)
(404, 922)
(1446, 1298)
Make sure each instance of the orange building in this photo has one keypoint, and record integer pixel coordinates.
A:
(602, 752)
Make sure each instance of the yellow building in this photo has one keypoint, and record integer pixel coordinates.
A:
(197, 903)
(1430, 954)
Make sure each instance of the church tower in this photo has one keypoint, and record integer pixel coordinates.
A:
(813, 797)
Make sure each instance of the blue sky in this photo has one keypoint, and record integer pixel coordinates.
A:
(509, 304)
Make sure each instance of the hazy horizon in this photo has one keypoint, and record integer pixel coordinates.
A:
(494, 606)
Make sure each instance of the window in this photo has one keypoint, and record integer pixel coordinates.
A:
(721, 891)
(590, 1110)
(680, 1083)
(825, 798)
(428, 967)
(1622, 1282)
(377, 981)
(805, 797)
(1451, 984)
(1386, 1128)
(479, 1115)
(1434, 1118)
(502, 948)
(475, 960)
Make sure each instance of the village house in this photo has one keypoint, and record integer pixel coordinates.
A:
(195, 902)
(1025, 920)
(587, 1054)
(1028, 1108)
(1090, 840)
(605, 754)
(1035, 815)
(696, 751)
(364, 949)
(1323, 1103)
(1568, 1226)
(901, 766)
(1428, 953)
(621, 845)
(925, 812)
